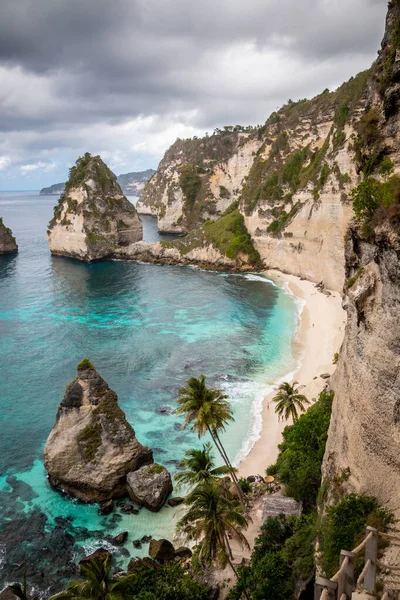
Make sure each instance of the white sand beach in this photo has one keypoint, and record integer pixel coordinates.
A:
(320, 335)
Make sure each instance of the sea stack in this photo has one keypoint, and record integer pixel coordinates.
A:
(92, 217)
(8, 243)
(92, 447)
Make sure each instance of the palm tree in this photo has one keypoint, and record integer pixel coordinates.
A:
(288, 401)
(207, 410)
(199, 466)
(21, 590)
(210, 519)
(96, 583)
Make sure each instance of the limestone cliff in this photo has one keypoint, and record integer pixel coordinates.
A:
(198, 179)
(92, 447)
(364, 434)
(92, 217)
(290, 180)
(8, 243)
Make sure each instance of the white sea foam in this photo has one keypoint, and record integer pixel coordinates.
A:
(2, 555)
(252, 277)
(241, 391)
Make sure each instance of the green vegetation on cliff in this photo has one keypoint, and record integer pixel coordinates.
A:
(302, 450)
(343, 528)
(279, 171)
(228, 234)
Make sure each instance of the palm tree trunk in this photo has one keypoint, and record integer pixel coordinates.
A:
(228, 546)
(221, 450)
(235, 479)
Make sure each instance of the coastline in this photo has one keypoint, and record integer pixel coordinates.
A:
(319, 336)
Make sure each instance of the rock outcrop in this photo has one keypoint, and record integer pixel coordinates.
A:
(92, 217)
(161, 550)
(149, 486)
(92, 447)
(8, 243)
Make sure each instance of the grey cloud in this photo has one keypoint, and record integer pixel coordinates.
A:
(93, 63)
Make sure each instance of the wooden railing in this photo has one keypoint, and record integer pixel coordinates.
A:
(342, 585)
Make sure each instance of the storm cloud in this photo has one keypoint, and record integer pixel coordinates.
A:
(124, 78)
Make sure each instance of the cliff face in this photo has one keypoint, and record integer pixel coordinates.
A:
(92, 217)
(364, 434)
(92, 448)
(290, 180)
(8, 243)
(198, 179)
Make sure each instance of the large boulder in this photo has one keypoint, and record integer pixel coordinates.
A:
(101, 554)
(161, 550)
(92, 447)
(8, 594)
(8, 244)
(149, 486)
(92, 217)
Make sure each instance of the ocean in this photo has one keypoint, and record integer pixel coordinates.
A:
(147, 329)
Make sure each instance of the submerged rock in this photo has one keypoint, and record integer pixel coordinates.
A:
(150, 486)
(176, 501)
(106, 508)
(92, 217)
(92, 447)
(8, 243)
(120, 539)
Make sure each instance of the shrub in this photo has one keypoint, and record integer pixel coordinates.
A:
(351, 281)
(85, 364)
(230, 235)
(365, 198)
(276, 226)
(302, 450)
(370, 194)
(293, 166)
(171, 581)
(344, 527)
(224, 192)
(283, 553)
(190, 182)
(245, 485)
(386, 167)
(155, 469)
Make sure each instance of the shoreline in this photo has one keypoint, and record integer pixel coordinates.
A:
(319, 336)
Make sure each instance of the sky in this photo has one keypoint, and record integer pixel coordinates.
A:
(125, 78)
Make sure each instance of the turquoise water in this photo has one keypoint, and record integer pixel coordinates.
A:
(147, 328)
